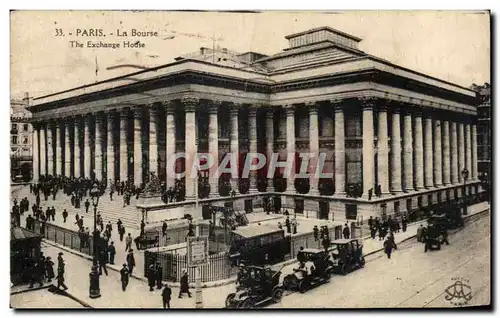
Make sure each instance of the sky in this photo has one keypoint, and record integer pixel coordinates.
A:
(450, 45)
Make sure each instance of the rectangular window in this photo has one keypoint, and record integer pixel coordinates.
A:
(25, 127)
(14, 140)
(14, 127)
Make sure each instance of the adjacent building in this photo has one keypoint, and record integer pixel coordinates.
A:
(484, 129)
(404, 135)
(21, 133)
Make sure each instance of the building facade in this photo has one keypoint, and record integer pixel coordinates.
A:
(384, 129)
(484, 132)
(21, 132)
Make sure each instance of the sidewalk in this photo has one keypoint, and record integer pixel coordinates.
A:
(137, 294)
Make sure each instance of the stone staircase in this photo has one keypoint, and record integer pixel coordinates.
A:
(110, 210)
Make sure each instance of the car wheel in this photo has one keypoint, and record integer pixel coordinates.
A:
(362, 262)
(277, 294)
(439, 245)
(303, 286)
(343, 269)
(229, 300)
(248, 303)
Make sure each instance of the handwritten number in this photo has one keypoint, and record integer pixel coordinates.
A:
(59, 32)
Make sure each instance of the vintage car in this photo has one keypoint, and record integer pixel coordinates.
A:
(448, 216)
(433, 237)
(347, 255)
(314, 268)
(258, 245)
(256, 286)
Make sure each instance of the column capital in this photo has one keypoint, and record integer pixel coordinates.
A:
(169, 107)
(234, 108)
(252, 111)
(270, 113)
(214, 105)
(190, 103)
(368, 102)
(99, 116)
(138, 112)
(312, 107)
(417, 112)
(382, 107)
(289, 109)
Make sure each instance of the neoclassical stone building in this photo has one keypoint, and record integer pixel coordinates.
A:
(382, 126)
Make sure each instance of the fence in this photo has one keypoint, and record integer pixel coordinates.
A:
(176, 235)
(218, 267)
(65, 237)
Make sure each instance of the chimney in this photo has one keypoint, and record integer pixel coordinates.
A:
(27, 100)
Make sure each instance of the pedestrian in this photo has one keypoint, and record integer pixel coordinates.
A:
(315, 233)
(288, 225)
(388, 246)
(404, 223)
(121, 231)
(346, 232)
(37, 273)
(184, 288)
(373, 231)
(60, 278)
(294, 226)
(151, 275)
(130, 261)
(49, 269)
(124, 276)
(143, 226)
(164, 228)
(112, 253)
(420, 231)
(128, 242)
(280, 226)
(65, 215)
(166, 295)
(60, 260)
(159, 275)
(102, 262)
(87, 205)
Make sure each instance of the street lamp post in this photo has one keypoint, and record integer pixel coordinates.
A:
(94, 290)
(465, 174)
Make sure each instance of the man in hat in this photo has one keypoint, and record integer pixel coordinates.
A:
(151, 277)
(60, 260)
(130, 261)
(124, 276)
(184, 284)
(159, 275)
(112, 253)
(166, 295)
(49, 268)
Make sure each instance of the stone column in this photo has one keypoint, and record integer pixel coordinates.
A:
(368, 148)
(110, 156)
(77, 153)
(396, 167)
(314, 148)
(213, 146)
(290, 146)
(58, 148)
(170, 143)
(468, 151)
(86, 148)
(339, 149)
(123, 145)
(153, 140)
(419, 167)
(234, 144)
(428, 153)
(474, 152)
(438, 164)
(408, 151)
(98, 147)
(190, 104)
(454, 153)
(461, 152)
(67, 149)
(270, 145)
(43, 150)
(138, 144)
(446, 153)
(36, 153)
(252, 140)
(50, 150)
(383, 151)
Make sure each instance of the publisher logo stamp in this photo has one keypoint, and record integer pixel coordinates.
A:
(459, 293)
